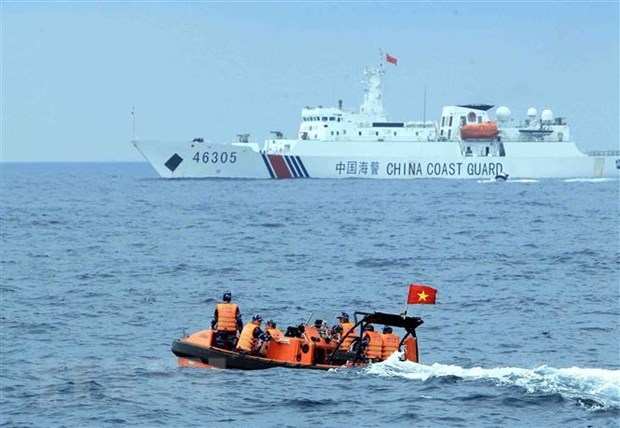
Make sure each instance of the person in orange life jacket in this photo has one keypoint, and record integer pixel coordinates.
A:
(346, 327)
(371, 343)
(252, 336)
(273, 331)
(226, 322)
(390, 342)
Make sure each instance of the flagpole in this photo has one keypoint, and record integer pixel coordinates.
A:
(406, 304)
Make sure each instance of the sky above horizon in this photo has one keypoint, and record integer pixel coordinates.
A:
(72, 72)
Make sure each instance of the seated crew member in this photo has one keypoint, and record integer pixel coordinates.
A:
(336, 333)
(252, 336)
(226, 322)
(273, 331)
(346, 327)
(371, 343)
(390, 342)
(321, 328)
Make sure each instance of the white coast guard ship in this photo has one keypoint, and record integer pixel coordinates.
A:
(334, 143)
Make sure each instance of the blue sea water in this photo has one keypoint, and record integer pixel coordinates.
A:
(103, 265)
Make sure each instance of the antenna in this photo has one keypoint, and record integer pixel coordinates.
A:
(133, 124)
(424, 116)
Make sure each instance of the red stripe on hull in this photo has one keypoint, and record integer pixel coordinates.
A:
(279, 166)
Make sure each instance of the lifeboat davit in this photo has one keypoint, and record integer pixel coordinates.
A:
(302, 347)
(479, 131)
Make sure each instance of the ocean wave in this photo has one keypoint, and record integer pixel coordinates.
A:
(380, 262)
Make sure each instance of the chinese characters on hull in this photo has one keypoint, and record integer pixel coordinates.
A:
(420, 169)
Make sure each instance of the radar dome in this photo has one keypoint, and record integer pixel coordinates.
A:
(531, 112)
(547, 115)
(502, 114)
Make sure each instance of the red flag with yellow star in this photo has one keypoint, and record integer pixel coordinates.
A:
(421, 294)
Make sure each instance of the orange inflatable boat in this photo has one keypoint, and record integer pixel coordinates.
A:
(306, 346)
(478, 131)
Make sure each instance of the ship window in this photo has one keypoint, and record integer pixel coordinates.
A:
(360, 133)
(449, 133)
(395, 134)
(376, 133)
(332, 132)
(450, 121)
(443, 121)
(344, 132)
(331, 119)
(463, 120)
(337, 133)
(324, 119)
(338, 119)
(479, 119)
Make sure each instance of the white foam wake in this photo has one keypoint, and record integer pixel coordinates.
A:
(599, 385)
(514, 180)
(588, 180)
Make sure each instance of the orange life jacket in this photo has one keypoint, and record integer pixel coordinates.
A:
(226, 317)
(346, 326)
(390, 344)
(246, 340)
(275, 333)
(373, 349)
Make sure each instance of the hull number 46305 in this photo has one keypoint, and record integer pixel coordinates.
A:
(215, 157)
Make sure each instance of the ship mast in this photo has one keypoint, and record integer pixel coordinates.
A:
(372, 105)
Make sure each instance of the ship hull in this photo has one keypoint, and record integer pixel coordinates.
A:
(420, 160)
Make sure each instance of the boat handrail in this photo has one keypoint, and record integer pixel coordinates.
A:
(603, 153)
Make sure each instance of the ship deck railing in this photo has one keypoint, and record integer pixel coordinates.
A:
(603, 153)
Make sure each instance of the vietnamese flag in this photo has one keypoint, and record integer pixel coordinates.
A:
(391, 59)
(421, 294)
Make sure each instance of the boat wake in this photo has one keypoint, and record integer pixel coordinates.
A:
(511, 180)
(596, 389)
(588, 180)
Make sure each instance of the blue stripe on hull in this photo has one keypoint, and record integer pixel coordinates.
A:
(303, 168)
(291, 167)
(268, 165)
(296, 166)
